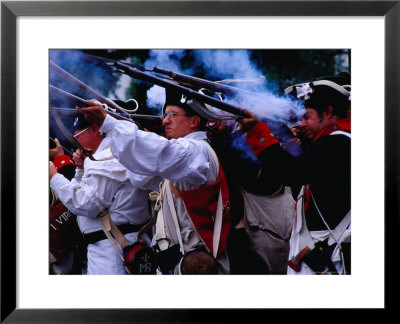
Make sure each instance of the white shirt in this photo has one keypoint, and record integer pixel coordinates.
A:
(184, 161)
(101, 185)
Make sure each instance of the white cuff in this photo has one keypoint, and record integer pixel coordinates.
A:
(108, 124)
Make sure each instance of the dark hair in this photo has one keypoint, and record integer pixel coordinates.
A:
(190, 112)
(324, 96)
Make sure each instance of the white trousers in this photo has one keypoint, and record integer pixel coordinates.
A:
(103, 259)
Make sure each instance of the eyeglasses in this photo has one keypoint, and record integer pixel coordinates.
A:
(172, 114)
(82, 131)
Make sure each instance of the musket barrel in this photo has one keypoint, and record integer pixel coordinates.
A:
(59, 95)
(278, 128)
(135, 73)
(207, 84)
(86, 88)
(67, 112)
(202, 83)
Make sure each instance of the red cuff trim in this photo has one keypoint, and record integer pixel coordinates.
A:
(260, 137)
(62, 160)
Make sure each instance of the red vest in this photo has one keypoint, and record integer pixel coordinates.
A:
(201, 205)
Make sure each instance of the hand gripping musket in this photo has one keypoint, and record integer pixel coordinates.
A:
(280, 130)
(63, 147)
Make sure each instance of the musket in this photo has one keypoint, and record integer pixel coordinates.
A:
(87, 89)
(59, 96)
(143, 76)
(217, 87)
(187, 80)
(280, 129)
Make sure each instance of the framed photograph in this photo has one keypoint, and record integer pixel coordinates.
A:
(32, 29)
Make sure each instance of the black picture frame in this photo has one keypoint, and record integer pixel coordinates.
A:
(10, 10)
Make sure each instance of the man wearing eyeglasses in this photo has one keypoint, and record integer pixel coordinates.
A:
(188, 219)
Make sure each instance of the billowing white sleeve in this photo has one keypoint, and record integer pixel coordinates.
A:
(87, 197)
(144, 182)
(146, 153)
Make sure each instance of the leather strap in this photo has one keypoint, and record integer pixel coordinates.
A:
(172, 209)
(105, 221)
(161, 238)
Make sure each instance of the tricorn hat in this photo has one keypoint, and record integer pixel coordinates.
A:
(176, 98)
(342, 78)
(332, 90)
(190, 105)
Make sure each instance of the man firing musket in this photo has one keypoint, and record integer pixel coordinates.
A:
(321, 235)
(194, 212)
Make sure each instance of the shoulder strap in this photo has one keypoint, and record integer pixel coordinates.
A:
(341, 133)
(334, 236)
(111, 231)
(300, 226)
(161, 238)
(340, 228)
(172, 210)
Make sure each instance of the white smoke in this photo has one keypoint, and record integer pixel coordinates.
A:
(123, 85)
(155, 97)
(167, 60)
(227, 64)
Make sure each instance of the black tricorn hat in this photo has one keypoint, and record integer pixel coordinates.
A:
(334, 90)
(330, 90)
(339, 84)
(342, 78)
(176, 98)
(191, 106)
